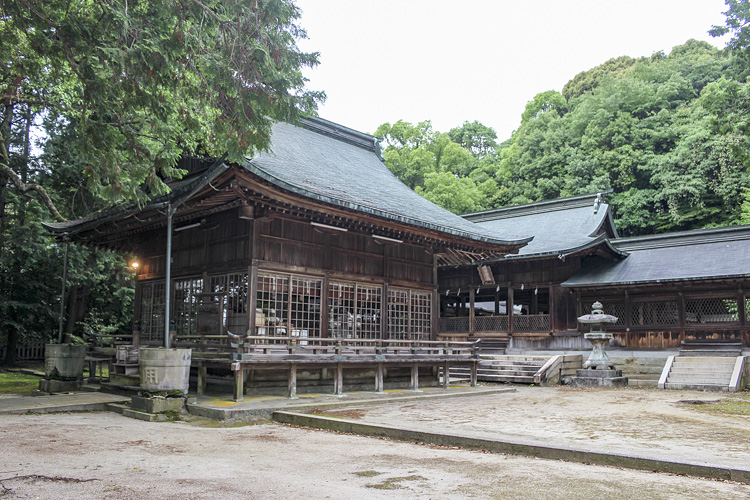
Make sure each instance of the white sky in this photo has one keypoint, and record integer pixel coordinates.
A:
(453, 61)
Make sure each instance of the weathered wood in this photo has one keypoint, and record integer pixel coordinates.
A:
(293, 381)
(239, 384)
(446, 375)
(379, 379)
(202, 375)
(338, 385)
(474, 367)
(415, 377)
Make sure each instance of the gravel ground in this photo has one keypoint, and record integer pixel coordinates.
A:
(644, 422)
(107, 456)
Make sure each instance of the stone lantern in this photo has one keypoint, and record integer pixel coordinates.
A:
(598, 370)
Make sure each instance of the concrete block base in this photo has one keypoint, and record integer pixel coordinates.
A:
(599, 378)
(157, 405)
(48, 385)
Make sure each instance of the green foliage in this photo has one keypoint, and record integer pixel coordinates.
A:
(143, 82)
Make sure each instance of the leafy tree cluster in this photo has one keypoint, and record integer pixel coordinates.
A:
(116, 91)
(669, 134)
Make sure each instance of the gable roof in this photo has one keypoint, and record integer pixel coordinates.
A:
(317, 160)
(321, 161)
(559, 227)
(703, 254)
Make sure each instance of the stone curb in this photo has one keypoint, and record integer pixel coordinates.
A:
(267, 412)
(515, 448)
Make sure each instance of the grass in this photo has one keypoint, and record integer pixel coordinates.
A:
(736, 404)
(18, 384)
(393, 483)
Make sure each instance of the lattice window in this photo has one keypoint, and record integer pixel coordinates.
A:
(152, 311)
(272, 305)
(369, 302)
(341, 310)
(234, 288)
(654, 313)
(713, 310)
(421, 315)
(307, 294)
(398, 314)
(614, 308)
(491, 323)
(457, 325)
(186, 304)
(531, 323)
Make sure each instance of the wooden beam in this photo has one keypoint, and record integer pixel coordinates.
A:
(293, 381)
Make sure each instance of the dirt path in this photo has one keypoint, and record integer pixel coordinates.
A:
(107, 456)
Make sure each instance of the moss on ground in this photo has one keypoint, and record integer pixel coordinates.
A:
(736, 404)
(17, 384)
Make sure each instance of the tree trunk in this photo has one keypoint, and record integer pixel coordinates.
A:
(11, 357)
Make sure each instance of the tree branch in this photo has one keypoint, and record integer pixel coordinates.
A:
(28, 188)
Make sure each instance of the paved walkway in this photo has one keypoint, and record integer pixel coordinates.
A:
(75, 401)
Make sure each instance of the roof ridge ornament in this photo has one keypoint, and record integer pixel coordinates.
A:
(598, 201)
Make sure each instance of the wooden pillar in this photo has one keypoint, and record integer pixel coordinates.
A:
(471, 311)
(435, 300)
(379, 386)
(509, 308)
(474, 367)
(338, 383)
(293, 381)
(551, 311)
(741, 309)
(384, 313)
(202, 374)
(239, 382)
(414, 377)
(446, 375)
(324, 306)
(253, 297)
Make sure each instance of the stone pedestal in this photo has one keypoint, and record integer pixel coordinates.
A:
(49, 385)
(157, 404)
(598, 378)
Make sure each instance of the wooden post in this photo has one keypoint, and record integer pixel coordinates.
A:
(324, 306)
(551, 308)
(414, 377)
(509, 308)
(384, 311)
(379, 379)
(338, 383)
(239, 382)
(741, 309)
(293, 381)
(202, 373)
(446, 375)
(435, 300)
(474, 366)
(471, 310)
(253, 298)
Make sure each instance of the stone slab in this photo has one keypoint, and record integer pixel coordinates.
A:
(156, 404)
(588, 373)
(48, 385)
(599, 382)
(77, 401)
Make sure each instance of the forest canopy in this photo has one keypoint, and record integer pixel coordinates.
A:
(667, 133)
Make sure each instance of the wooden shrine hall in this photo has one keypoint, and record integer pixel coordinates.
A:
(307, 266)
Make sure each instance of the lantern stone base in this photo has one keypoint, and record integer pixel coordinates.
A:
(157, 404)
(49, 385)
(599, 378)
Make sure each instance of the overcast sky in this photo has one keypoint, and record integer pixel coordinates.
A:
(453, 61)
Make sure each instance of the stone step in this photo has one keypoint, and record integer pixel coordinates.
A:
(643, 382)
(142, 415)
(696, 387)
(710, 353)
(117, 407)
(700, 379)
(516, 380)
(702, 369)
(700, 359)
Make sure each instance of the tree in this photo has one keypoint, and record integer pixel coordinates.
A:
(479, 139)
(144, 82)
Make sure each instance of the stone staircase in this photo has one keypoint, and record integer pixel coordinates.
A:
(707, 373)
(503, 368)
(713, 348)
